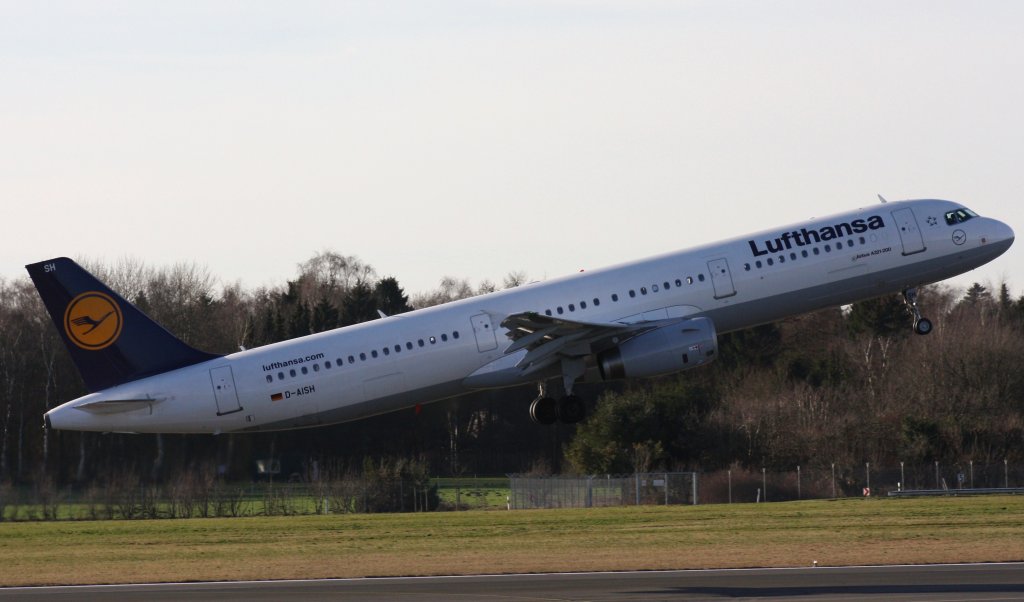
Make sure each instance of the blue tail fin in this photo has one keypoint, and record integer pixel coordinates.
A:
(110, 340)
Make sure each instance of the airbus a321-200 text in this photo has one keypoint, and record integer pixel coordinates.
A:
(640, 319)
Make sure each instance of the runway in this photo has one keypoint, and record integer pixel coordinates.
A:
(930, 582)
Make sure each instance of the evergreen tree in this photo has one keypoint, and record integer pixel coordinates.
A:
(325, 316)
(977, 294)
(885, 316)
(390, 297)
(298, 325)
(359, 305)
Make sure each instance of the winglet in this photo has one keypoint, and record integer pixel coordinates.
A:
(882, 198)
(110, 340)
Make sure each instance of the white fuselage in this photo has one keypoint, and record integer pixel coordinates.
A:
(452, 349)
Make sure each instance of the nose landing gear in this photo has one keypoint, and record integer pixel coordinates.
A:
(921, 325)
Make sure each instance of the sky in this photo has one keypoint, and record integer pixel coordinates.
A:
(478, 138)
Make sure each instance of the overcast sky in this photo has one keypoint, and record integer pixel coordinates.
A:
(478, 138)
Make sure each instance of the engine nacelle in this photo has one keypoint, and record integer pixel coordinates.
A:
(669, 349)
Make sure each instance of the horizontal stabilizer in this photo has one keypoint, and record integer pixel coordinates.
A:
(113, 406)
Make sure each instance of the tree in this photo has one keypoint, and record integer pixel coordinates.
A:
(359, 305)
(666, 420)
(325, 316)
(390, 297)
(883, 316)
(977, 295)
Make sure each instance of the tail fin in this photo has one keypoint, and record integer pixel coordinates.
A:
(110, 340)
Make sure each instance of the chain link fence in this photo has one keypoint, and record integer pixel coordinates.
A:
(655, 488)
(861, 480)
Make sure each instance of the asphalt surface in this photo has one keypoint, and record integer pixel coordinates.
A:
(932, 582)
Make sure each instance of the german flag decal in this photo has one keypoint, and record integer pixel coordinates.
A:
(277, 397)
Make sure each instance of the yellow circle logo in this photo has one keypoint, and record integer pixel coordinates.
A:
(93, 321)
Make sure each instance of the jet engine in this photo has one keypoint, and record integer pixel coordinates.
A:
(680, 346)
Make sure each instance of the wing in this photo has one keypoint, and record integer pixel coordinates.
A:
(548, 340)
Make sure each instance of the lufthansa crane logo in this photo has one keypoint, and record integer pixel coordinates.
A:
(93, 321)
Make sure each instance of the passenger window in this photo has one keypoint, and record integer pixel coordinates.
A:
(572, 307)
(559, 310)
(433, 340)
(679, 282)
(782, 259)
(444, 338)
(420, 342)
(758, 264)
(828, 249)
(689, 280)
(387, 351)
(803, 253)
(632, 293)
(597, 302)
(792, 256)
(746, 267)
(373, 353)
(352, 360)
(455, 334)
(316, 367)
(816, 251)
(654, 288)
(408, 345)
(280, 376)
(270, 378)
(770, 261)
(362, 357)
(666, 285)
(292, 372)
(583, 304)
(615, 298)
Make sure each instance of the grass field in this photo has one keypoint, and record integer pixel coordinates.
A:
(850, 531)
(477, 493)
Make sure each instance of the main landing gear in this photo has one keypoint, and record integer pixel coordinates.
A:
(547, 410)
(921, 325)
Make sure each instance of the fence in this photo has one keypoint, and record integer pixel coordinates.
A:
(597, 491)
(836, 481)
(215, 499)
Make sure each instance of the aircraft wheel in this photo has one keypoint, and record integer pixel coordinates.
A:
(923, 326)
(544, 410)
(571, 409)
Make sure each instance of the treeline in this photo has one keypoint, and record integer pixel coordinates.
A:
(849, 385)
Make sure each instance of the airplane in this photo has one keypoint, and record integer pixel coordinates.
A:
(641, 319)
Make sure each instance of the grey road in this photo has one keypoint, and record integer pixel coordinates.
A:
(933, 582)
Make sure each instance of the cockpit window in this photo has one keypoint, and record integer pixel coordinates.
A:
(959, 215)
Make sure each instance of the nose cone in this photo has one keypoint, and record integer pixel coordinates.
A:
(1000, 235)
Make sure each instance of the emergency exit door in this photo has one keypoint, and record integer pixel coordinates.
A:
(721, 278)
(224, 390)
(486, 339)
(910, 234)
